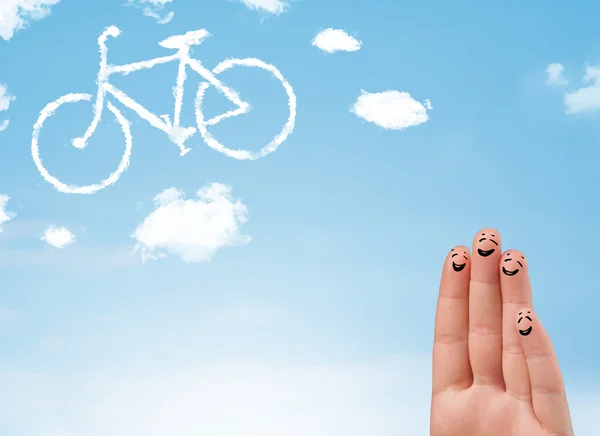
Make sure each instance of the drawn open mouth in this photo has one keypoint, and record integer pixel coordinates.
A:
(459, 267)
(485, 253)
(525, 332)
(510, 273)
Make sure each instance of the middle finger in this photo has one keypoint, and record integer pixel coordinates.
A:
(485, 309)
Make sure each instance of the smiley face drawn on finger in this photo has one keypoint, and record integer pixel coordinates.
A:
(456, 265)
(487, 250)
(512, 271)
(526, 330)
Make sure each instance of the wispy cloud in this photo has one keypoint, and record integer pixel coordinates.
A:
(383, 398)
(387, 397)
(587, 98)
(17, 14)
(22, 247)
(555, 75)
(332, 40)
(4, 214)
(274, 7)
(392, 110)
(192, 229)
(84, 258)
(7, 315)
(52, 343)
(58, 237)
(5, 100)
(153, 9)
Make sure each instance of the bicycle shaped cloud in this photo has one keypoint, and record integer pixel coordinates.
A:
(177, 133)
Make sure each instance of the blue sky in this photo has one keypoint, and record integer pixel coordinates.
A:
(322, 323)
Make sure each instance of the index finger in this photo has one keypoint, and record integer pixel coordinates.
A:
(451, 366)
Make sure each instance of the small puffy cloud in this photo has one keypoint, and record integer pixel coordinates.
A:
(153, 8)
(586, 99)
(17, 14)
(392, 110)
(332, 40)
(4, 214)
(555, 75)
(5, 100)
(58, 237)
(274, 7)
(193, 229)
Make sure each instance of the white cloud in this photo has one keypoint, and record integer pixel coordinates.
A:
(153, 8)
(16, 14)
(586, 99)
(275, 7)
(393, 110)
(192, 229)
(555, 75)
(58, 237)
(5, 100)
(4, 214)
(332, 40)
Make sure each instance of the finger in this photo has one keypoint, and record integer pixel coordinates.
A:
(516, 293)
(547, 387)
(451, 367)
(485, 309)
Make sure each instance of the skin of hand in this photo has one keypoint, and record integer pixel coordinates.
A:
(495, 372)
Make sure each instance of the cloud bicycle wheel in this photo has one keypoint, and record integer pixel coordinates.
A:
(48, 112)
(241, 154)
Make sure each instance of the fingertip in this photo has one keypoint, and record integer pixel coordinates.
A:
(515, 256)
(458, 260)
(487, 246)
(525, 322)
(489, 233)
(456, 273)
(514, 270)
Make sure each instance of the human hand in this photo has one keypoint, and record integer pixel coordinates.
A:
(494, 367)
